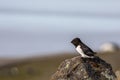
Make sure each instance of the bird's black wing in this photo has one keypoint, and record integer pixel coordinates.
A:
(88, 51)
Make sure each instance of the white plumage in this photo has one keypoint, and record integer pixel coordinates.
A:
(79, 50)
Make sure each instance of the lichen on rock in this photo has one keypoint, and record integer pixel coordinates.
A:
(78, 68)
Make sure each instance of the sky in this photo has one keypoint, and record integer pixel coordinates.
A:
(36, 27)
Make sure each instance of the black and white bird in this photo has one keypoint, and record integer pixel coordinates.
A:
(83, 49)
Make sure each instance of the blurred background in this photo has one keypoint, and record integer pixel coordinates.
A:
(35, 35)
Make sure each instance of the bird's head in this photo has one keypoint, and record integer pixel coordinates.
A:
(76, 41)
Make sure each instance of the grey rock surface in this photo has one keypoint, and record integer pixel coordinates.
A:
(78, 68)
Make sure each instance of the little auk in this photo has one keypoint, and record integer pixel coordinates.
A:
(83, 49)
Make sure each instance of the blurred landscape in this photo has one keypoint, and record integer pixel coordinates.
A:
(38, 68)
(42, 68)
(35, 35)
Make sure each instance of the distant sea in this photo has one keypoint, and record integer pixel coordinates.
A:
(16, 44)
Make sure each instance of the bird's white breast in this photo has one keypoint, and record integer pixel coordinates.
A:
(79, 50)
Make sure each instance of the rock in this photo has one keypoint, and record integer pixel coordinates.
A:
(78, 68)
(118, 74)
